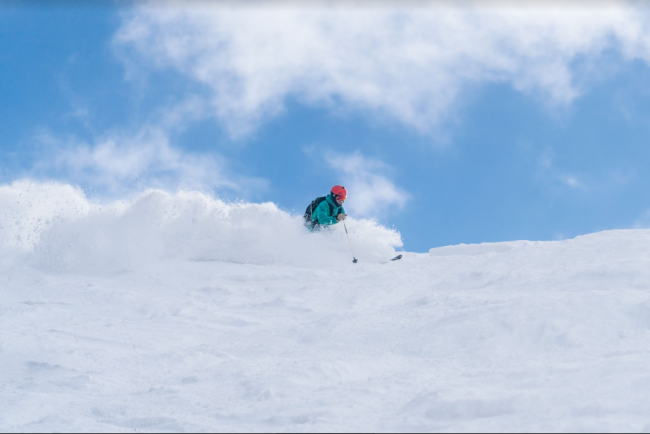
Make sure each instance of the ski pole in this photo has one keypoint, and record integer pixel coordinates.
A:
(354, 259)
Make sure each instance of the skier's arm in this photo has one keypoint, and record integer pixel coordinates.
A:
(321, 215)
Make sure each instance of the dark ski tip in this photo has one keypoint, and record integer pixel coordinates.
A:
(397, 258)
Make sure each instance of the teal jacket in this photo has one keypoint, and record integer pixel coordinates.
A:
(322, 216)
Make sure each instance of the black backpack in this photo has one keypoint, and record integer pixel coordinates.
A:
(314, 204)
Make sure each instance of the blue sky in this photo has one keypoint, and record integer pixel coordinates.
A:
(514, 126)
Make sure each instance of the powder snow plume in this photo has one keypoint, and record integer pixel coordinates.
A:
(55, 227)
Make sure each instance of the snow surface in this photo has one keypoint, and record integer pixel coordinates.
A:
(178, 312)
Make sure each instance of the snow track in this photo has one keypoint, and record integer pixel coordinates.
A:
(105, 326)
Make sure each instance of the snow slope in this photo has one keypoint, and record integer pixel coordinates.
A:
(182, 313)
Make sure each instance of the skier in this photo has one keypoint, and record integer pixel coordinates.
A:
(328, 210)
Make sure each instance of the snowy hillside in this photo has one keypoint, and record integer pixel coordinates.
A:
(182, 313)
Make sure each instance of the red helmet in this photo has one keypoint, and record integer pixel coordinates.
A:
(340, 193)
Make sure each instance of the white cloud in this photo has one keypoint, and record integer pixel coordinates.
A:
(370, 192)
(408, 61)
(552, 176)
(124, 160)
(571, 181)
(120, 160)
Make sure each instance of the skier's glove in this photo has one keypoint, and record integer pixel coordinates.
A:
(341, 217)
